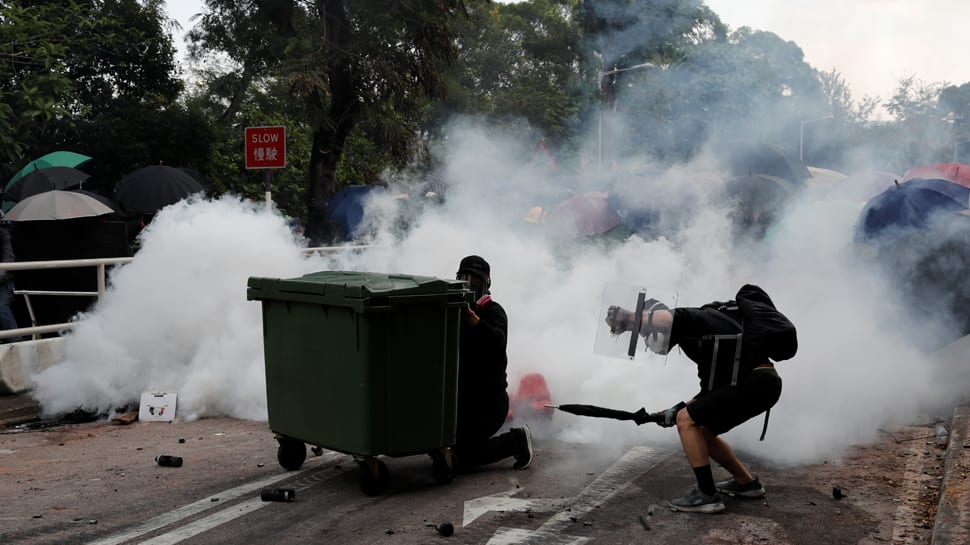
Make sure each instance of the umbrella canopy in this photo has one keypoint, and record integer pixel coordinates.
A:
(640, 417)
(582, 215)
(866, 184)
(107, 201)
(57, 205)
(154, 187)
(957, 173)
(44, 179)
(911, 205)
(825, 177)
(53, 159)
(759, 198)
(347, 208)
(745, 158)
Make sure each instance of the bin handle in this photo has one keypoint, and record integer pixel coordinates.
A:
(455, 299)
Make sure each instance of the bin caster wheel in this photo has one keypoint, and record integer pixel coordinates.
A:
(443, 465)
(373, 476)
(291, 454)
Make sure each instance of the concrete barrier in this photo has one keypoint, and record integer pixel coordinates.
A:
(20, 361)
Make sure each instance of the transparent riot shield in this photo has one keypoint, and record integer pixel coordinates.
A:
(634, 320)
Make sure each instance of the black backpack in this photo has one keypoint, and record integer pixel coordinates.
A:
(767, 332)
(764, 332)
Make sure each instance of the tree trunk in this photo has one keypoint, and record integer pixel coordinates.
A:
(337, 120)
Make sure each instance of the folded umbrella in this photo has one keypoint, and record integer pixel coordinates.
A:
(640, 417)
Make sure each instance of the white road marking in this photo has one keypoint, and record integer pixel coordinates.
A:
(634, 463)
(204, 524)
(205, 504)
(503, 502)
(514, 536)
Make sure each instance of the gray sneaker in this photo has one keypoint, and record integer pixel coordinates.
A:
(698, 502)
(732, 488)
(523, 447)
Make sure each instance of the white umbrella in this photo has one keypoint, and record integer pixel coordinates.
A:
(57, 205)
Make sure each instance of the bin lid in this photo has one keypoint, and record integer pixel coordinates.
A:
(350, 287)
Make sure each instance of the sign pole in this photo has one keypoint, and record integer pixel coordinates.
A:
(269, 182)
(266, 149)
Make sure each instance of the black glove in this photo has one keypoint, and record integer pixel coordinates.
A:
(619, 319)
(667, 418)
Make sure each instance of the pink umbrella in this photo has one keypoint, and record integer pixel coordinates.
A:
(582, 215)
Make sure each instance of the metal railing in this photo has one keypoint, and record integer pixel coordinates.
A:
(100, 264)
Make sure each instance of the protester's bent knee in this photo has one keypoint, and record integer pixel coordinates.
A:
(684, 420)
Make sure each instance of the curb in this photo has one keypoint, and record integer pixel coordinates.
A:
(20, 361)
(952, 525)
(17, 409)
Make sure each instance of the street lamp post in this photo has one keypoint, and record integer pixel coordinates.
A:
(641, 66)
(801, 135)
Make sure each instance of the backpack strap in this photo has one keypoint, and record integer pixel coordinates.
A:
(737, 358)
(764, 428)
(737, 347)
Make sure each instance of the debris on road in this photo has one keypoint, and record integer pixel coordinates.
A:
(123, 419)
(277, 494)
(168, 461)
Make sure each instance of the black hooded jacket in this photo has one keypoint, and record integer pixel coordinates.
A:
(482, 359)
(694, 330)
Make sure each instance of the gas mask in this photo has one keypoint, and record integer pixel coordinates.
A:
(657, 342)
(477, 284)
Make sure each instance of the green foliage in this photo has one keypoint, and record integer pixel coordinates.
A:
(954, 103)
(98, 78)
(518, 68)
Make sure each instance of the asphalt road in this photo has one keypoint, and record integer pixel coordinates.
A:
(98, 483)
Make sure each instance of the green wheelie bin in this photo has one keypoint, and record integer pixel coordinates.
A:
(362, 363)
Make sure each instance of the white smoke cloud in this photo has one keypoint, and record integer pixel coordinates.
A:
(176, 318)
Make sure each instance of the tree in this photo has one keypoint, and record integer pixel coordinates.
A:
(97, 78)
(518, 69)
(921, 133)
(34, 89)
(361, 65)
(955, 102)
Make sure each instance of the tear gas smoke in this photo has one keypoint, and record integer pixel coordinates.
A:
(176, 318)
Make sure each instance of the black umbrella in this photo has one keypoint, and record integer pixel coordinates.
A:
(44, 179)
(107, 201)
(151, 188)
(745, 158)
(640, 417)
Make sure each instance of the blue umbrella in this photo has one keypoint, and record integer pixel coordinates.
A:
(347, 208)
(912, 205)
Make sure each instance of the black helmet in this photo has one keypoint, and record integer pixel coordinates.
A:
(475, 265)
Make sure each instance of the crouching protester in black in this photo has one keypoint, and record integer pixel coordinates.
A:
(737, 383)
(483, 401)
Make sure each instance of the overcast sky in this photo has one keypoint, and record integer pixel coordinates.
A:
(872, 43)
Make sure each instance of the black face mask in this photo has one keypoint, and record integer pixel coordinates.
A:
(478, 289)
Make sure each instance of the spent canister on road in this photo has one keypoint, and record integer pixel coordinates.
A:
(362, 363)
(168, 461)
(277, 494)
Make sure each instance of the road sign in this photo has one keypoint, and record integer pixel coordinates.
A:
(265, 147)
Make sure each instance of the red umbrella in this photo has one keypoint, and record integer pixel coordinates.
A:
(582, 215)
(957, 173)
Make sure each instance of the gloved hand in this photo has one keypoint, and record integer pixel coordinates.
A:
(619, 319)
(667, 418)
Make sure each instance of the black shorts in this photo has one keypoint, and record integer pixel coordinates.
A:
(727, 407)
